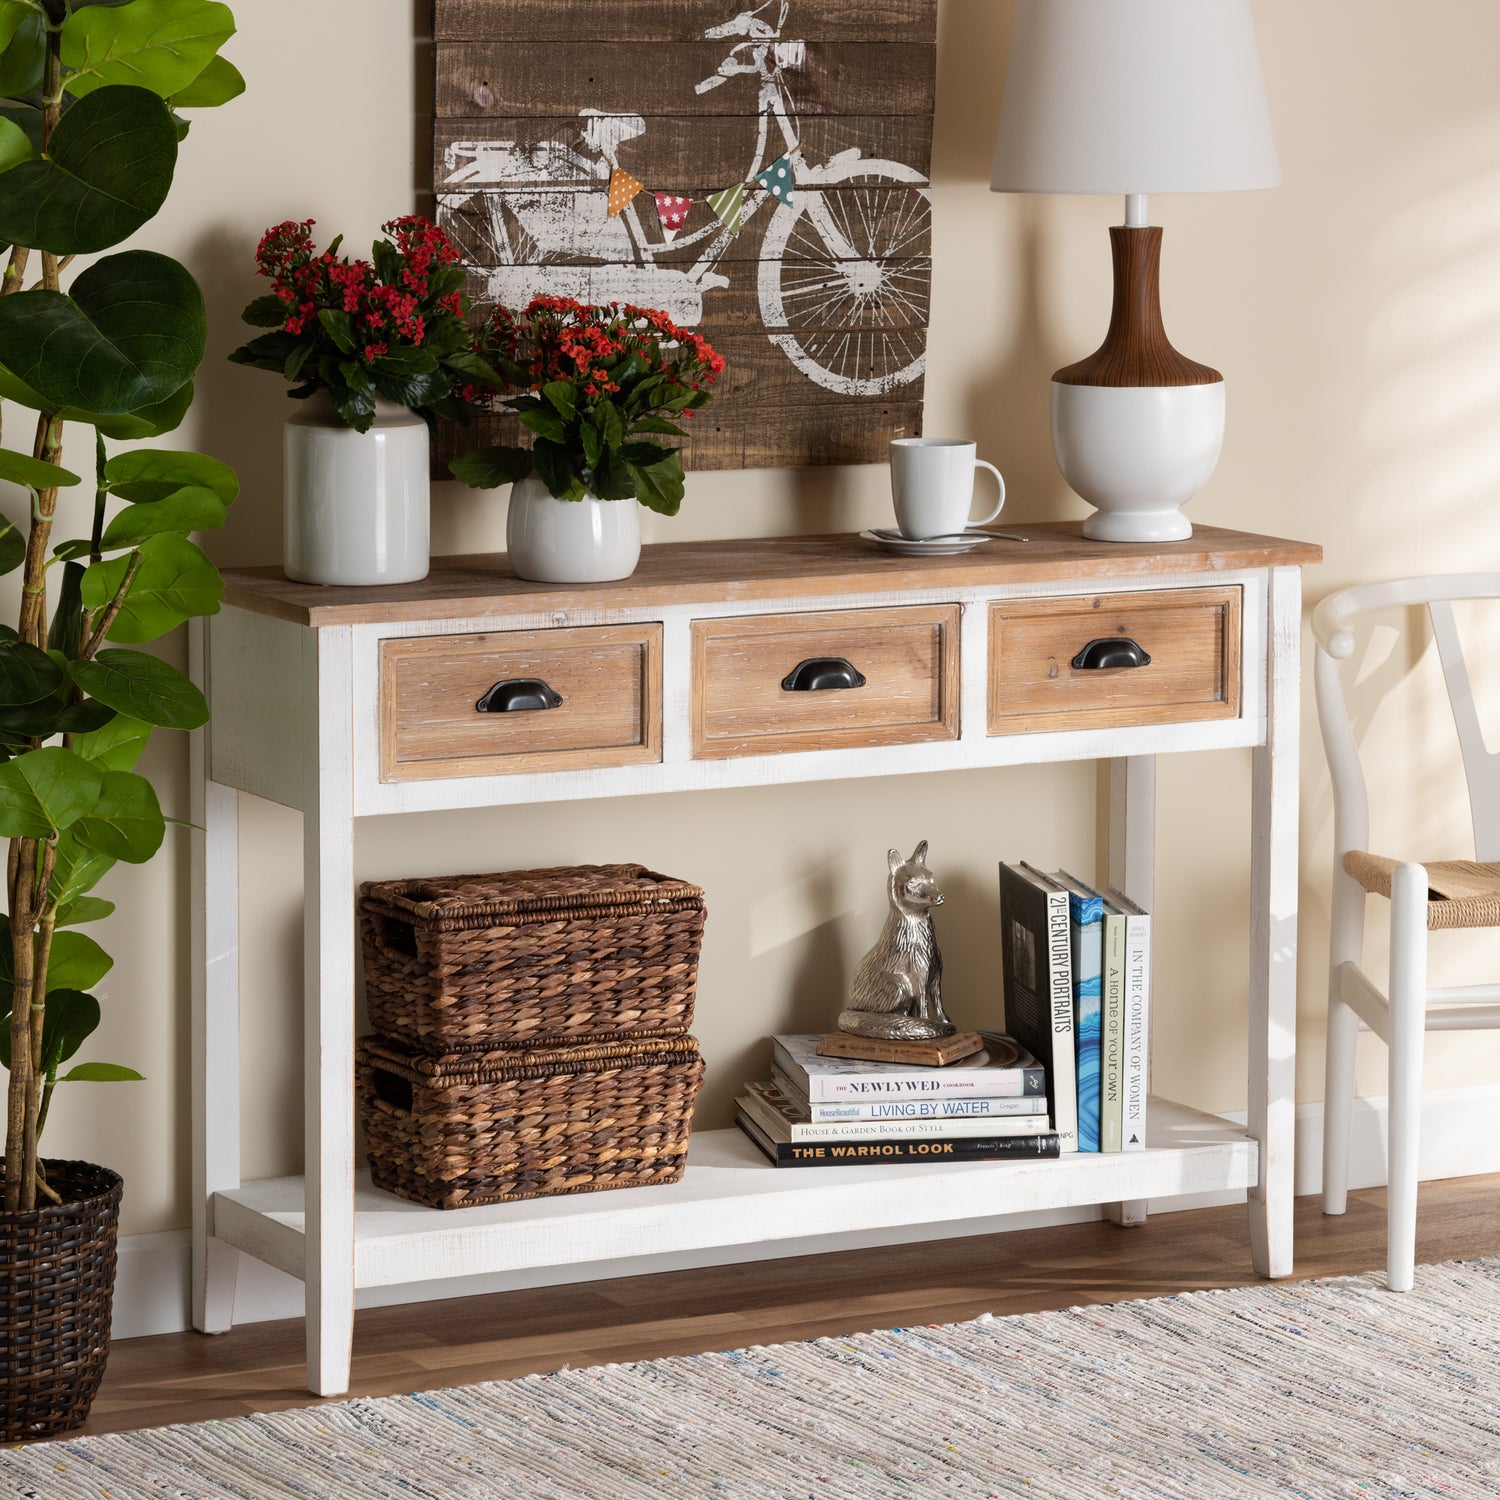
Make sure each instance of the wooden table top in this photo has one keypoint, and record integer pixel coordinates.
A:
(757, 568)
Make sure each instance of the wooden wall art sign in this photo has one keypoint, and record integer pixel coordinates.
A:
(760, 173)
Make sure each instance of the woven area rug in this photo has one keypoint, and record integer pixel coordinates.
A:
(1331, 1388)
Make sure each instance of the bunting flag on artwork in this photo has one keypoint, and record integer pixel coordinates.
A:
(672, 211)
(729, 206)
(777, 179)
(622, 189)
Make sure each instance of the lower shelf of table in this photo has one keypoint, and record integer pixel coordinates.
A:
(730, 1195)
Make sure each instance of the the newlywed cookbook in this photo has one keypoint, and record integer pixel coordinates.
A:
(1002, 1070)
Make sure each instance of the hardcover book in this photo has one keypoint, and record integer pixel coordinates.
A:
(1086, 928)
(783, 1120)
(1037, 965)
(897, 1153)
(914, 1106)
(1112, 1051)
(999, 1071)
(1137, 1063)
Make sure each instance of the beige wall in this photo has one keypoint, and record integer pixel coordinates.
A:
(1355, 312)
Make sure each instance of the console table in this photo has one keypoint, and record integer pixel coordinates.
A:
(351, 702)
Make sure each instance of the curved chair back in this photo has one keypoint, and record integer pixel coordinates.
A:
(1335, 642)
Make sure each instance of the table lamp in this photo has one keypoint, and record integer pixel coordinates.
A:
(1135, 97)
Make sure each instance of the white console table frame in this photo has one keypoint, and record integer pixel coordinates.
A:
(292, 676)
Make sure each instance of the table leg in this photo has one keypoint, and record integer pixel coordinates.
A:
(215, 1023)
(328, 958)
(1273, 933)
(1132, 871)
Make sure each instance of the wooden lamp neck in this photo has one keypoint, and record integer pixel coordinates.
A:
(1136, 350)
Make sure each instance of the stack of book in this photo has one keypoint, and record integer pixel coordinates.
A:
(829, 1111)
(1077, 966)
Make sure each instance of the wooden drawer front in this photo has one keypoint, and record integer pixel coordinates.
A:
(609, 679)
(908, 657)
(1192, 637)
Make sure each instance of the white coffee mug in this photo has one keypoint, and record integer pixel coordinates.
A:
(932, 485)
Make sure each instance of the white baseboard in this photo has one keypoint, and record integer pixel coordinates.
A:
(151, 1294)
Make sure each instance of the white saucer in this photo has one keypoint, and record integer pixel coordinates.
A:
(948, 546)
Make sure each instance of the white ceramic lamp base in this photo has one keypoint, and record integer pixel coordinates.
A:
(1137, 454)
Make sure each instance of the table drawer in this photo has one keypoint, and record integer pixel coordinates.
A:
(1044, 670)
(605, 702)
(746, 700)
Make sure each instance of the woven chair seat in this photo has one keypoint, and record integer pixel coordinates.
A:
(1460, 892)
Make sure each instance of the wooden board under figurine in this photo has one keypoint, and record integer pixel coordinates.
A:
(814, 286)
(938, 1052)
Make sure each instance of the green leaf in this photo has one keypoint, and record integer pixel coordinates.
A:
(12, 13)
(487, 468)
(107, 171)
(592, 443)
(564, 397)
(175, 583)
(12, 547)
(21, 468)
(44, 791)
(357, 408)
(115, 747)
(15, 145)
(217, 84)
(143, 687)
(161, 45)
(265, 312)
(49, 716)
(145, 421)
(65, 634)
(607, 419)
(419, 392)
(101, 1072)
(614, 479)
(126, 822)
(77, 870)
(191, 508)
(27, 674)
(554, 464)
(339, 328)
(644, 454)
(659, 487)
(84, 909)
(130, 336)
(72, 1018)
(657, 424)
(23, 61)
(147, 474)
(545, 424)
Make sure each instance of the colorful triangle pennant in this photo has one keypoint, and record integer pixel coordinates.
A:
(777, 179)
(672, 212)
(622, 188)
(729, 206)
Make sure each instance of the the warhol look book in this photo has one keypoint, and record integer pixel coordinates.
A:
(1036, 948)
(784, 1119)
(895, 1153)
(1002, 1071)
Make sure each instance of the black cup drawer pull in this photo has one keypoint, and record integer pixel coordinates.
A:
(1110, 651)
(518, 695)
(818, 674)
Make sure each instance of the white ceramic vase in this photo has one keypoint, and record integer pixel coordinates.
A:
(357, 503)
(1137, 454)
(570, 541)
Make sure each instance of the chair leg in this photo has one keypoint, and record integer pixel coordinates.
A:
(1408, 1033)
(1346, 945)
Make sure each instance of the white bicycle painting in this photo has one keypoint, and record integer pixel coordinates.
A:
(843, 274)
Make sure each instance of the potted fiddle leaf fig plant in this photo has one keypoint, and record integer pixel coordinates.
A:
(92, 101)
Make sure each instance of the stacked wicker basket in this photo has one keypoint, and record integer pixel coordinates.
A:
(532, 1032)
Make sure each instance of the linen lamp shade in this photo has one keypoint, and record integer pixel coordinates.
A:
(1135, 97)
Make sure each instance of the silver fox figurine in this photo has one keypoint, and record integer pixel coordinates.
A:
(897, 990)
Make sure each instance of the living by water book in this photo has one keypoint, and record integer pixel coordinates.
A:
(1086, 927)
(917, 1106)
(998, 1072)
(782, 1119)
(1036, 952)
(898, 1153)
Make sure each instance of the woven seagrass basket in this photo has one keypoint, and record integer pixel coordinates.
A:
(57, 1284)
(471, 1128)
(530, 957)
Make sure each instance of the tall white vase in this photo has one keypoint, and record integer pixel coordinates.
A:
(357, 503)
(570, 541)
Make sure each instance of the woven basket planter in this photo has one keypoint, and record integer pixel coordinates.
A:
(452, 1132)
(530, 957)
(57, 1284)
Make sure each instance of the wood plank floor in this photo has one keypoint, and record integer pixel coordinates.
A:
(259, 1367)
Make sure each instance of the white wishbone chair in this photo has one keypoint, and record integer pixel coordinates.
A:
(1438, 895)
